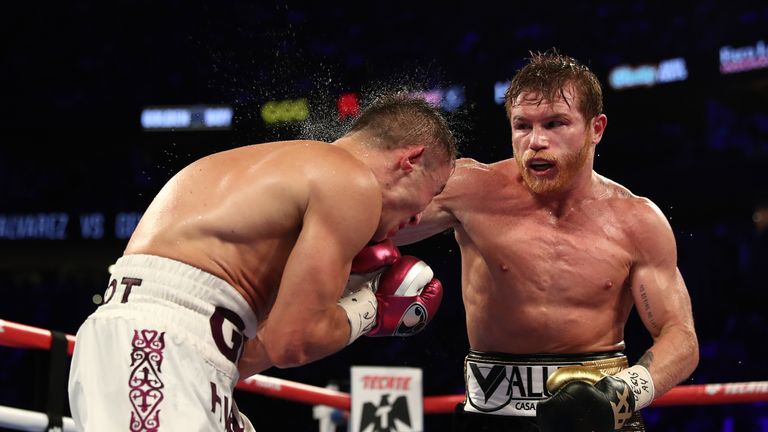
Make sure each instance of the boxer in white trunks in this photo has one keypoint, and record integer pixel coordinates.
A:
(242, 262)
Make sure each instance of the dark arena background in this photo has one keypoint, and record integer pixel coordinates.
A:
(103, 101)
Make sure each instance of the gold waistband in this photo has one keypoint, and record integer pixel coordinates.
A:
(609, 366)
(608, 362)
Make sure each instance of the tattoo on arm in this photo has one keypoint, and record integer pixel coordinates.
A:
(646, 359)
(647, 307)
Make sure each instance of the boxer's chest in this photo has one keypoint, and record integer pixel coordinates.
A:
(587, 248)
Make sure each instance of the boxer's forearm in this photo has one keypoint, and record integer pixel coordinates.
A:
(672, 358)
(254, 359)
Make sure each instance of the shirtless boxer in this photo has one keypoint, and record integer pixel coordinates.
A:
(554, 257)
(241, 261)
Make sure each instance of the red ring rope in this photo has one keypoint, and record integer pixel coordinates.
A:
(23, 336)
(294, 391)
(16, 335)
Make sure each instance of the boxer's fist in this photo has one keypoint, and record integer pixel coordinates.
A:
(585, 400)
(408, 297)
(368, 265)
(358, 299)
(375, 256)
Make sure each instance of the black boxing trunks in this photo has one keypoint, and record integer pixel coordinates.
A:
(502, 390)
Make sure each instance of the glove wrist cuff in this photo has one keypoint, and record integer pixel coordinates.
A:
(360, 307)
(640, 382)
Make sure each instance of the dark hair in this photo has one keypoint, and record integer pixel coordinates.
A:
(400, 120)
(548, 74)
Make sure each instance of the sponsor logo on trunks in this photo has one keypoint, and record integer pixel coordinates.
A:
(506, 389)
(413, 320)
(129, 283)
(386, 416)
(229, 415)
(227, 332)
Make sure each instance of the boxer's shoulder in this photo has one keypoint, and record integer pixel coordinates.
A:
(622, 199)
(471, 172)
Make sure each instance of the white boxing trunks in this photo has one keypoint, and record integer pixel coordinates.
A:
(160, 353)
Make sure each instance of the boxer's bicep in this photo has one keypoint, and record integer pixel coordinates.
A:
(337, 223)
(664, 306)
(658, 289)
(440, 214)
(435, 219)
(660, 297)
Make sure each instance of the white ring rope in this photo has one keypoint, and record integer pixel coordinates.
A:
(23, 420)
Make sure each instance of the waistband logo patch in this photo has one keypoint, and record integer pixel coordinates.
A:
(506, 389)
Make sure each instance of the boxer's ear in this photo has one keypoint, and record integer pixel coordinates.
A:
(411, 157)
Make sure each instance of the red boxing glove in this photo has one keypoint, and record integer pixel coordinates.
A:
(375, 256)
(408, 297)
(369, 263)
(358, 299)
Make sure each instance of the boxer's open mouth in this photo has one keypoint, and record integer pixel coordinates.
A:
(540, 165)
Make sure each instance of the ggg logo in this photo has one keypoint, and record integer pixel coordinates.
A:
(285, 111)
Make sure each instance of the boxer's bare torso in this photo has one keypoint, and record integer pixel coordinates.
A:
(538, 278)
(238, 214)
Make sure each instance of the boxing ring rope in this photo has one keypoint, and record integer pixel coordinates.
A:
(17, 335)
(692, 394)
(23, 336)
(24, 420)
